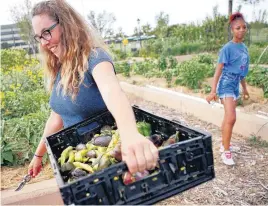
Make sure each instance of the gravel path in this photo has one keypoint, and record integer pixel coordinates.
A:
(243, 184)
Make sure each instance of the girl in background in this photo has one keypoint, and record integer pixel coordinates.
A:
(232, 68)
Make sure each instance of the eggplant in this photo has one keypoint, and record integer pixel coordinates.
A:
(91, 154)
(102, 140)
(77, 172)
(156, 139)
(67, 167)
(80, 147)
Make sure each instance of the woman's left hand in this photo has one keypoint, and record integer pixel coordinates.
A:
(139, 153)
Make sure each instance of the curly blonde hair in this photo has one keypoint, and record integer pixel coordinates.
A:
(78, 40)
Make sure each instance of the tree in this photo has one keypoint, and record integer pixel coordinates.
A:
(5, 45)
(230, 4)
(21, 15)
(102, 22)
(146, 29)
(162, 21)
(120, 33)
(136, 31)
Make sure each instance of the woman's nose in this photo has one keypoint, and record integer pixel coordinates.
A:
(43, 42)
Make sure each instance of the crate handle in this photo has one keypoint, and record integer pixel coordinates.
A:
(189, 156)
(89, 127)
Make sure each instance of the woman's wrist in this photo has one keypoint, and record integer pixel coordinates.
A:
(39, 156)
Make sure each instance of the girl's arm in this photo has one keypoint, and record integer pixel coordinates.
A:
(244, 86)
(212, 95)
(217, 75)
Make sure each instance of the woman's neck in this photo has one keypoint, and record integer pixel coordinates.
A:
(236, 40)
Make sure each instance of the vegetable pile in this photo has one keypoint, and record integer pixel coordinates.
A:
(103, 150)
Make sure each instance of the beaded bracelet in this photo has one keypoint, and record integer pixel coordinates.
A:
(38, 156)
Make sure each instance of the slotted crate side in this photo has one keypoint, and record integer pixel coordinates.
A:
(85, 190)
(136, 193)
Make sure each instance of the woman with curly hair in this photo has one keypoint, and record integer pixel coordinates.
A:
(82, 81)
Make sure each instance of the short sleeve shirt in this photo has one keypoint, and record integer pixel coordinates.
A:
(235, 58)
(88, 100)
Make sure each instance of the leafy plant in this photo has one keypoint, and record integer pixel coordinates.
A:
(172, 62)
(258, 76)
(20, 137)
(162, 63)
(191, 74)
(168, 77)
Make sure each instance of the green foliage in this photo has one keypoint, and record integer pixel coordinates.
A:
(20, 137)
(126, 69)
(168, 76)
(258, 77)
(141, 68)
(12, 58)
(172, 62)
(206, 89)
(256, 141)
(24, 107)
(119, 55)
(20, 103)
(162, 63)
(118, 68)
(255, 53)
(191, 74)
(205, 58)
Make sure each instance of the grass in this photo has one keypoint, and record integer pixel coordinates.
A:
(255, 140)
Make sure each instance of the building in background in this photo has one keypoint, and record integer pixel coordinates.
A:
(10, 37)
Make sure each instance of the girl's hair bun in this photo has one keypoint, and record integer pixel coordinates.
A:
(235, 16)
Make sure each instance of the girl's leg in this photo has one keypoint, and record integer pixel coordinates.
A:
(228, 121)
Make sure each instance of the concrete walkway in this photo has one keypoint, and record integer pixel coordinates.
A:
(246, 124)
(40, 193)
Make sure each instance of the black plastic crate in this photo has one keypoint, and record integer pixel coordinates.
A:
(182, 165)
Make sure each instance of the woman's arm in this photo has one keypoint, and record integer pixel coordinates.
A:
(53, 125)
(138, 152)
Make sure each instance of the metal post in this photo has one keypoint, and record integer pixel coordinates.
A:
(139, 31)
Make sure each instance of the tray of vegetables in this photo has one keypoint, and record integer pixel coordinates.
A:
(87, 162)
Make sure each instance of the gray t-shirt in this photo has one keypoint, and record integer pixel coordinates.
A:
(88, 100)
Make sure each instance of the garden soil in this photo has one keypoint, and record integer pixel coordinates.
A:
(255, 103)
(243, 184)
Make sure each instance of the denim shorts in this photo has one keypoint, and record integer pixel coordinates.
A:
(228, 85)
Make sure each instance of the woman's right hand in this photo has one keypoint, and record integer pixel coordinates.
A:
(35, 166)
(211, 96)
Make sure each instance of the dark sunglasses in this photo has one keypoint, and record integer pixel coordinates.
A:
(46, 34)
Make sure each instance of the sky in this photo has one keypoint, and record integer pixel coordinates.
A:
(127, 12)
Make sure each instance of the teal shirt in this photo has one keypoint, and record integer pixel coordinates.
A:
(235, 58)
(88, 101)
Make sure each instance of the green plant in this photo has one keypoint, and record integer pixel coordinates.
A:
(206, 88)
(172, 62)
(126, 69)
(191, 74)
(19, 103)
(258, 76)
(162, 63)
(168, 77)
(205, 58)
(12, 58)
(255, 52)
(20, 137)
(257, 141)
